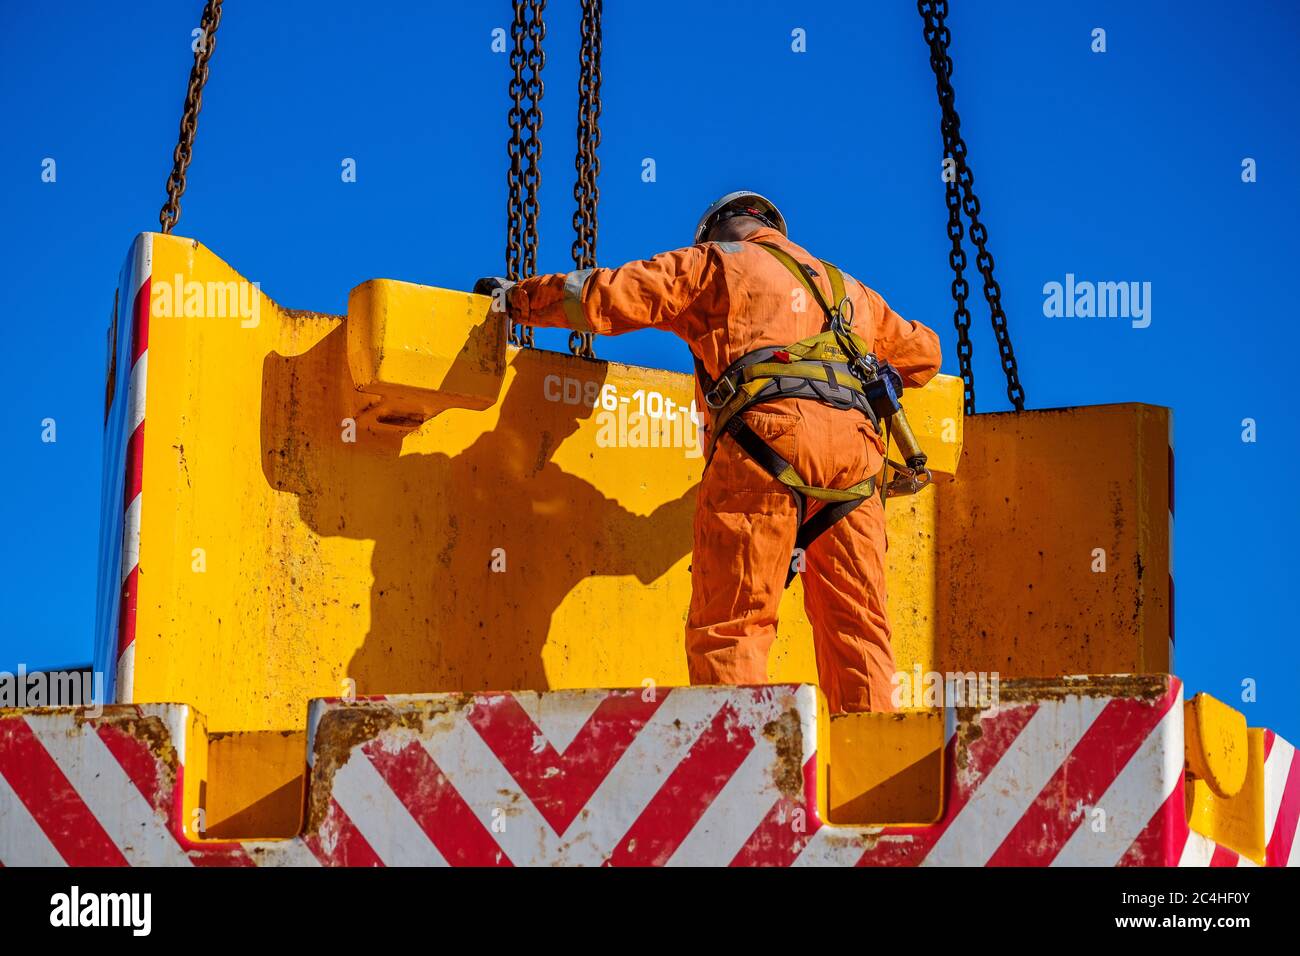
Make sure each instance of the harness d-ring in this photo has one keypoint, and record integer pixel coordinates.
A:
(842, 316)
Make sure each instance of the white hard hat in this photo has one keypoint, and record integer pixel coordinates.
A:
(740, 203)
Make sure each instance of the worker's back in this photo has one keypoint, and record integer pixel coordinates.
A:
(749, 300)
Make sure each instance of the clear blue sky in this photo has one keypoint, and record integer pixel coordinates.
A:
(1117, 166)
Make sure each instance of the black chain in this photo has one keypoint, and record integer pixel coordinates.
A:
(587, 163)
(961, 192)
(525, 148)
(184, 151)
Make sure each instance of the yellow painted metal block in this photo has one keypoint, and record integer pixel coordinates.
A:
(935, 414)
(1053, 547)
(1215, 739)
(886, 769)
(540, 543)
(1236, 822)
(255, 784)
(420, 350)
(292, 545)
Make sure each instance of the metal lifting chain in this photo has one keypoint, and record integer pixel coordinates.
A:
(525, 148)
(960, 195)
(184, 152)
(587, 163)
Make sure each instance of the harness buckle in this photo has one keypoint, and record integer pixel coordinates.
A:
(711, 396)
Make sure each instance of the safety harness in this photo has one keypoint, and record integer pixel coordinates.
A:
(834, 367)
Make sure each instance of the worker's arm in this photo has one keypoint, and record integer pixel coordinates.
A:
(653, 292)
(912, 348)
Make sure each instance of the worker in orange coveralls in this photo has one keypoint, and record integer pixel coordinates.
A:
(729, 296)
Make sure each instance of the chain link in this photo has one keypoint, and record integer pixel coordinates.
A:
(184, 151)
(587, 163)
(959, 195)
(525, 148)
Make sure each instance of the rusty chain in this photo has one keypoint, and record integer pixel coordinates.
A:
(184, 151)
(525, 148)
(585, 191)
(960, 192)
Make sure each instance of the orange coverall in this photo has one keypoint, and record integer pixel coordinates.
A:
(727, 299)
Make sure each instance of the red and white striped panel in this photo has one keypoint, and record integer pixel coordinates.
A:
(1281, 813)
(106, 791)
(1281, 801)
(138, 301)
(708, 776)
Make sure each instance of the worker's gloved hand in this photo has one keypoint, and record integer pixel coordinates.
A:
(498, 287)
(888, 371)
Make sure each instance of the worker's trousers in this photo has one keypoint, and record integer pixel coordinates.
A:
(745, 526)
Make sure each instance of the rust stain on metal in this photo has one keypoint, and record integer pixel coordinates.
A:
(786, 734)
(1036, 690)
(1148, 687)
(968, 731)
(307, 315)
(544, 451)
(343, 730)
(401, 420)
(152, 731)
(452, 537)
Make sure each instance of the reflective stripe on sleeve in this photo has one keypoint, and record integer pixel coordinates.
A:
(573, 284)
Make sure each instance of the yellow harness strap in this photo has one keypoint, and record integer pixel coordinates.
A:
(798, 271)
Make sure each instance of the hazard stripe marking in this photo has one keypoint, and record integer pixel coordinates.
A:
(1067, 799)
(1012, 785)
(41, 785)
(137, 829)
(339, 842)
(908, 846)
(786, 830)
(1139, 791)
(434, 804)
(690, 790)
(22, 839)
(1282, 841)
(696, 780)
(381, 818)
(560, 785)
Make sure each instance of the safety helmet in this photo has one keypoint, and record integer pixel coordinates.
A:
(740, 203)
